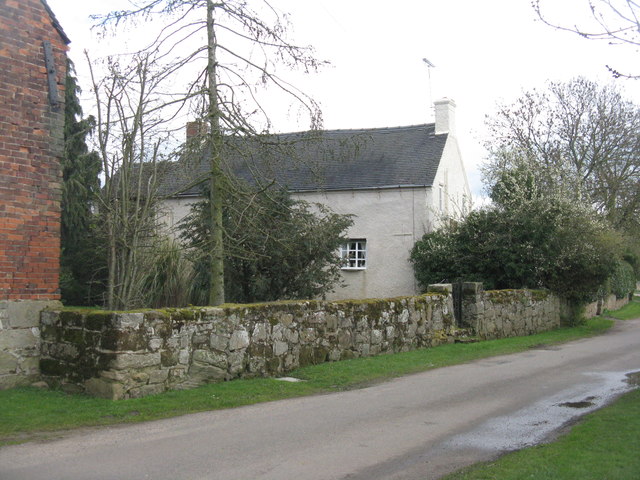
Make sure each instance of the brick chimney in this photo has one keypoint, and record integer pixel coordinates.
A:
(445, 116)
(195, 128)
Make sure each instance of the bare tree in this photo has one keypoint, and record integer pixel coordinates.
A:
(225, 49)
(580, 139)
(129, 142)
(615, 21)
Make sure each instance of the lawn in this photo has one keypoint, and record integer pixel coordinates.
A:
(27, 413)
(630, 311)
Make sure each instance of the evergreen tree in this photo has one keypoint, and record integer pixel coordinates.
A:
(277, 248)
(81, 260)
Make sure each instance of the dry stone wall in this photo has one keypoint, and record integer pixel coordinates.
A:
(508, 313)
(125, 355)
(611, 302)
(134, 354)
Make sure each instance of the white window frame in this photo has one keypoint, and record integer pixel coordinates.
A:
(354, 254)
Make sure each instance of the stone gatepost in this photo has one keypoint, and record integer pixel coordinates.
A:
(472, 304)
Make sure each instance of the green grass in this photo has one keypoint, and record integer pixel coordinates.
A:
(630, 311)
(605, 445)
(27, 412)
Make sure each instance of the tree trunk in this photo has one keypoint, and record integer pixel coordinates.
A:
(216, 292)
(112, 265)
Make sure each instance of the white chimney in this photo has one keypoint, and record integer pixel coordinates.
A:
(445, 116)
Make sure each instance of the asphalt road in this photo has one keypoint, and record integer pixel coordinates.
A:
(416, 427)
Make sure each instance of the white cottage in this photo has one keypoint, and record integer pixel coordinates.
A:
(399, 183)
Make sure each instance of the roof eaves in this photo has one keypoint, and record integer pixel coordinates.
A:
(350, 189)
(320, 190)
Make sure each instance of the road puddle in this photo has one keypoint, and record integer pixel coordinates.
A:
(586, 403)
(538, 422)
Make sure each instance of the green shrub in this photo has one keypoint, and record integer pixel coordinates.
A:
(632, 254)
(535, 243)
(276, 248)
(623, 280)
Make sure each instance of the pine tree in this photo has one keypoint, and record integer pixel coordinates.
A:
(81, 263)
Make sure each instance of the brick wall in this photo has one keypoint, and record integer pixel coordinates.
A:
(31, 141)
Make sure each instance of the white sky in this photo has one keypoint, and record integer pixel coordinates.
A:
(484, 51)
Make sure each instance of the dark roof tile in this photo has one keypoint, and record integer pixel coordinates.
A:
(326, 160)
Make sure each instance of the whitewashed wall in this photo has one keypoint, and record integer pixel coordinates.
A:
(451, 195)
(175, 209)
(391, 220)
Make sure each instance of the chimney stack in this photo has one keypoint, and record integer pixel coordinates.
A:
(195, 129)
(445, 116)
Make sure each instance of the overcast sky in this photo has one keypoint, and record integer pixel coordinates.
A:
(483, 51)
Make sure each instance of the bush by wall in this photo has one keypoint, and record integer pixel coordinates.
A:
(623, 280)
(534, 243)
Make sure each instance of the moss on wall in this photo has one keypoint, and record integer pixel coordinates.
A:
(510, 295)
(155, 350)
(539, 295)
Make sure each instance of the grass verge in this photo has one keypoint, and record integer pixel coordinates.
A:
(605, 444)
(630, 311)
(27, 413)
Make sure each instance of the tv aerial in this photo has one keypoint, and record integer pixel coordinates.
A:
(430, 65)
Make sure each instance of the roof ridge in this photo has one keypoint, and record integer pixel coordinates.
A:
(376, 129)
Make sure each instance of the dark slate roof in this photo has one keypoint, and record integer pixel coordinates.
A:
(325, 160)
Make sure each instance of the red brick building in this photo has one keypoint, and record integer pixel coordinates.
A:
(33, 65)
(32, 76)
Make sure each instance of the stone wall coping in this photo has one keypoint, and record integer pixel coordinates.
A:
(131, 317)
(143, 352)
(440, 287)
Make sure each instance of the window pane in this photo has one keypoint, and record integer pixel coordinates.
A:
(354, 253)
